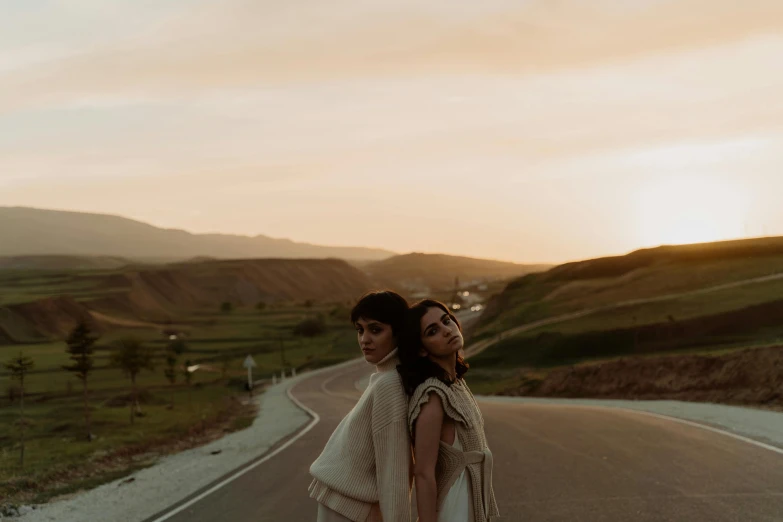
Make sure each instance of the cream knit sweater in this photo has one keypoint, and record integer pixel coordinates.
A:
(363, 472)
(475, 456)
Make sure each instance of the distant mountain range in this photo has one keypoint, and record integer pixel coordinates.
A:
(28, 231)
(52, 240)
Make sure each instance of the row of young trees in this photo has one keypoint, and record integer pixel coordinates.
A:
(19, 367)
(132, 356)
(129, 354)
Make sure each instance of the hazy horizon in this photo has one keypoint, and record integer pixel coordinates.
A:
(533, 132)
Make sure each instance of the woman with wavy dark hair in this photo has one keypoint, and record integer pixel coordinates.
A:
(363, 473)
(453, 464)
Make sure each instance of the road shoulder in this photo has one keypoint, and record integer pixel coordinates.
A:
(759, 425)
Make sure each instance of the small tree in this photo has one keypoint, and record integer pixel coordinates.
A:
(174, 349)
(310, 327)
(19, 367)
(261, 306)
(132, 356)
(226, 307)
(80, 349)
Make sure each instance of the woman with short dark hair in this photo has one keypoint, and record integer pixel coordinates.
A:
(363, 473)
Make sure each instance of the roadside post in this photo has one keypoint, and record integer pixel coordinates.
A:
(249, 364)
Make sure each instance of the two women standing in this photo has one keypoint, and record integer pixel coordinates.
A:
(416, 398)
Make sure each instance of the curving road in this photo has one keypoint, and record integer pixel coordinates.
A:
(553, 463)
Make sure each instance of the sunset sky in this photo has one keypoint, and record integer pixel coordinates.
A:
(530, 131)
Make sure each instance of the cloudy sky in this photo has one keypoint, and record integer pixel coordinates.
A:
(539, 130)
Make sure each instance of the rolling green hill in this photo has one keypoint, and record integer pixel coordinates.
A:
(694, 300)
(422, 273)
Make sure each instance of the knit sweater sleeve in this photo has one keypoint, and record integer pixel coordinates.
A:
(392, 450)
(422, 395)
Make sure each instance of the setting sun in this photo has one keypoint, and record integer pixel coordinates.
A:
(676, 211)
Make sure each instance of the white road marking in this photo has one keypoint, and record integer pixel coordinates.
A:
(316, 420)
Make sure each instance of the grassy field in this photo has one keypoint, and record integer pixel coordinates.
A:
(57, 449)
(538, 296)
(219, 342)
(18, 286)
(678, 309)
(641, 331)
(710, 323)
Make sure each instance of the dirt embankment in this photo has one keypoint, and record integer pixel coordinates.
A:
(52, 316)
(249, 281)
(153, 294)
(747, 377)
(141, 297)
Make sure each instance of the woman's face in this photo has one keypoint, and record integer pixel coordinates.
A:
(376, 339)
(439, 334)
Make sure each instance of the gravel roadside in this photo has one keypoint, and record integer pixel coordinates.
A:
(759, 425)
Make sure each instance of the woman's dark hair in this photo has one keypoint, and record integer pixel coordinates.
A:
(382, 305)
(413, 368)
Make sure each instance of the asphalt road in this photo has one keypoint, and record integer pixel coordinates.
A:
(552, 463)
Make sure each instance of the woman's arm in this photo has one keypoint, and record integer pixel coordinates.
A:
(427, 437)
